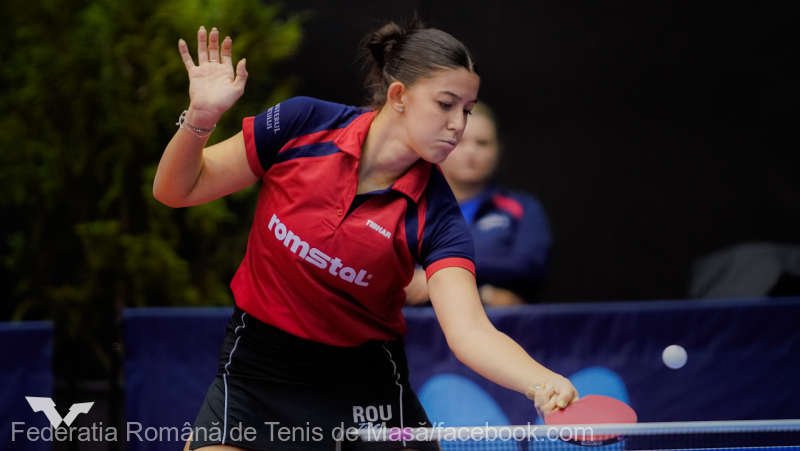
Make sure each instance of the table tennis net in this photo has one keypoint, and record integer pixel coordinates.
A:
(697, 435)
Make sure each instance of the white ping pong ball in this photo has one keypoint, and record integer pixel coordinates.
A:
(674, 356)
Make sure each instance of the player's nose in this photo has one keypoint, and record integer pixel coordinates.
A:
(457, 121)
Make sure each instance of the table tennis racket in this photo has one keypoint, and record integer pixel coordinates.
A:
(592, 409)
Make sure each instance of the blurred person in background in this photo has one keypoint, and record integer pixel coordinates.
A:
(510, 229)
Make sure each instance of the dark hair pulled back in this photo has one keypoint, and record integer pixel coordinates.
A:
(406, 54)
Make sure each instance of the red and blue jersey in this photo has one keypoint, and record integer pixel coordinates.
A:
(323, 262)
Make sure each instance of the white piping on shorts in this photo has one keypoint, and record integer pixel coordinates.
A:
(225, 379)
(399, 385)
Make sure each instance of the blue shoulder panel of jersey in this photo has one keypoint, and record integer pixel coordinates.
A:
(294, 118)
(445, 233)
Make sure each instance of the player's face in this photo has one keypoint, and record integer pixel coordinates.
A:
(474, 159)
(436, 110)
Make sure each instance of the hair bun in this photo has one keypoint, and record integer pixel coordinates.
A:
(383, 40)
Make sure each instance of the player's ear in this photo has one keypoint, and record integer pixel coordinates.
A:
(395, 96)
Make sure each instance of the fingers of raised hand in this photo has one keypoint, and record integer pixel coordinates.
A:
(202, 45)
(183, 49)
(209, 49)
(225, 53)
(213, 46)
(241, 74)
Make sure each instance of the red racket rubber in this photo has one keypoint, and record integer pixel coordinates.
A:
(592, 409)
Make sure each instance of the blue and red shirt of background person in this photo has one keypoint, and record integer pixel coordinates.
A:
(512, 239)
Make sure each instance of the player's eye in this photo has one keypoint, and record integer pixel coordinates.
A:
(445, 105)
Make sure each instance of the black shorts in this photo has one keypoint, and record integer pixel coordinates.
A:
(274, 390)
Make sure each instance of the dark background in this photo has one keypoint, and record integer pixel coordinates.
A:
(652, 132)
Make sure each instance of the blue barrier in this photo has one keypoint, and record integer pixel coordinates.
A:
(170, 360)
(742, 361)
(25, 370)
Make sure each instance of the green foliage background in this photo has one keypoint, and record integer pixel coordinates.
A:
(91, 91)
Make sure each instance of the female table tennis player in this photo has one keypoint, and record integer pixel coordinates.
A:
(350, 199)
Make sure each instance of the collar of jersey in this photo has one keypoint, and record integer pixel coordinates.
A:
(412, 183)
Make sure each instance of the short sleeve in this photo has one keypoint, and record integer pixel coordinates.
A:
(267, 133)
(446, 238)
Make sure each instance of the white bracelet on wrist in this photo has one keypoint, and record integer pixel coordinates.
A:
(196, 131)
